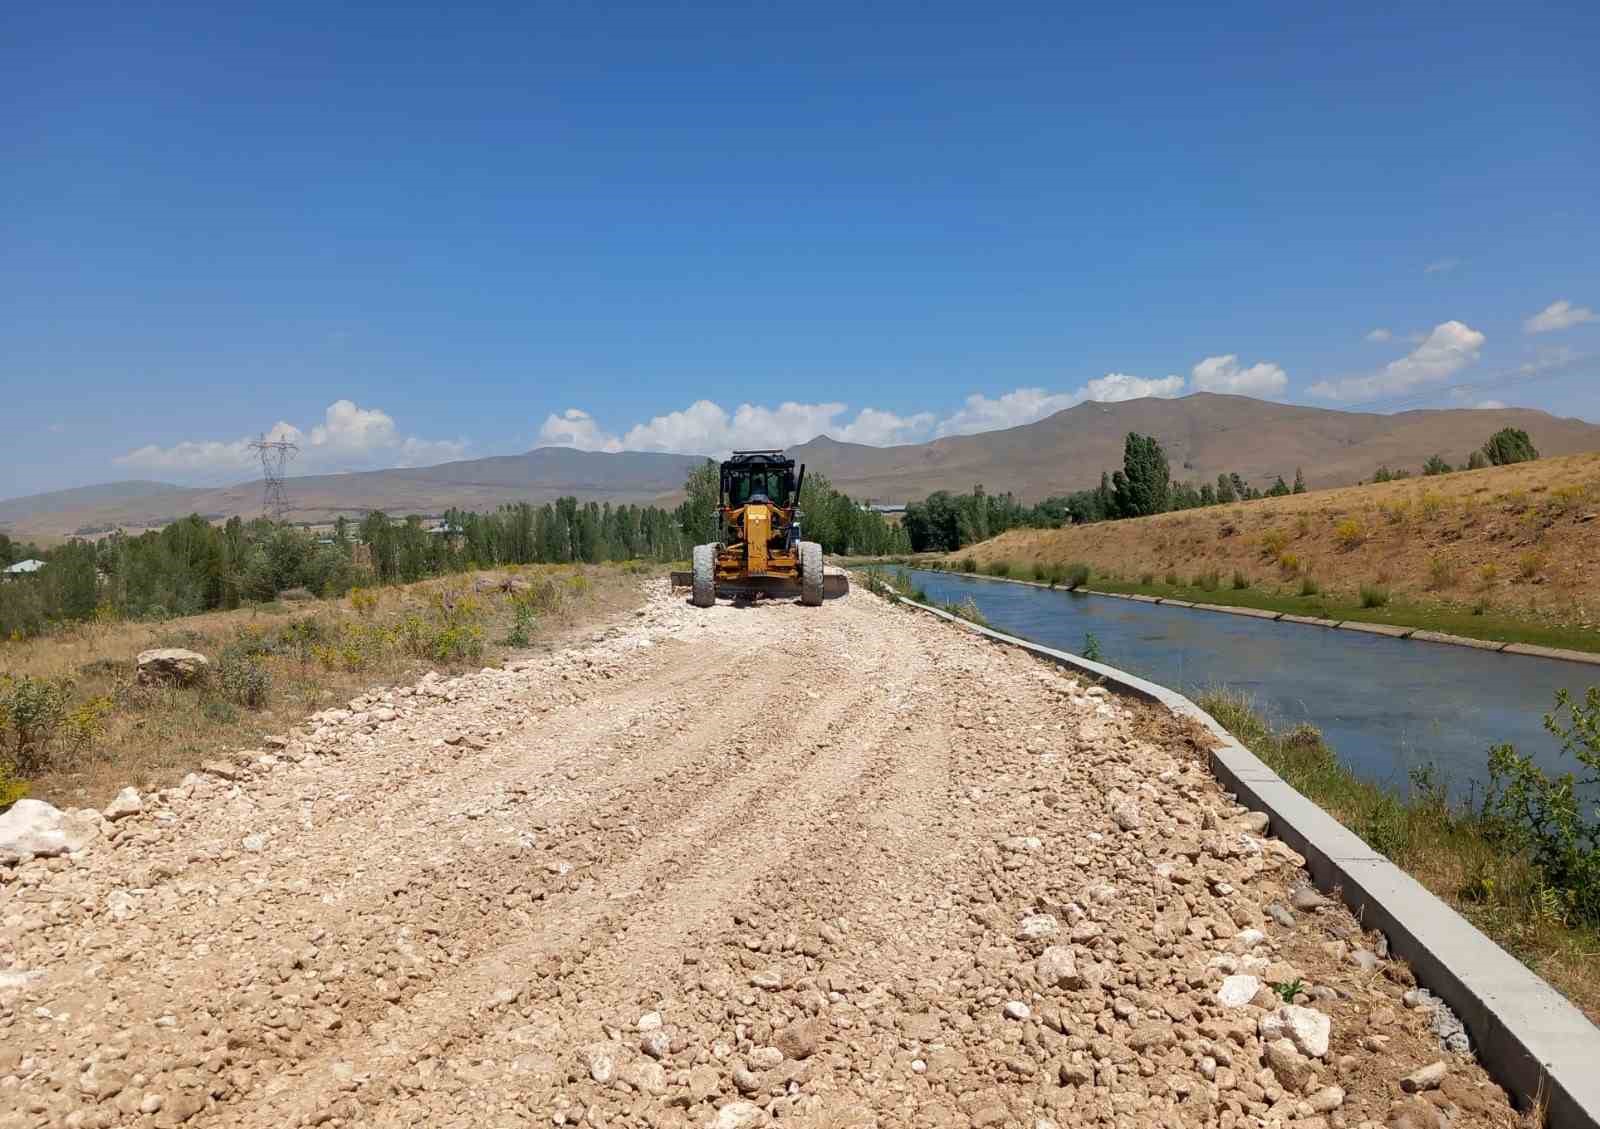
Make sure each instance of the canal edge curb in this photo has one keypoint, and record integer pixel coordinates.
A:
(1527, 1035)
(1393, 631)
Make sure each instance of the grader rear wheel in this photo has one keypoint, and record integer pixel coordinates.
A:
(704, 593)
(810, 574)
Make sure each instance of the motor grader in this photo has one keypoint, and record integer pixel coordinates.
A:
(758, 549)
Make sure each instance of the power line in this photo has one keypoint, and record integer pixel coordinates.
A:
(274, 454)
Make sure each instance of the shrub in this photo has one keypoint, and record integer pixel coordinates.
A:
(1273, 542)
(1172, 578)
(1091, 647)
(1435, 465)
(1240, 581)
(1554, 819)
(1077, 575)
(968, 610)
(1289, 563)
(1147, 578)
(969, 564)
(1309, 586)
(522, 621)
(364, 600)
(1041, 572)
(1373, 596)
(1395, 512)
(1488, 574)
(1531, 564)
(1431, 505)
(33, 712)
(999, 568)
(242, 677)
(1210, 580)
(1442, 572)
(1350, 532)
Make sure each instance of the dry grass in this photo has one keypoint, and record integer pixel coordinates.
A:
(153, 735)
(1520, 541)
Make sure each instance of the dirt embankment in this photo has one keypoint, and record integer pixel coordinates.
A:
(834, 867)
(1520, 541)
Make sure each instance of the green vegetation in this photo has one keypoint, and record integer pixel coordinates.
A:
(1374, 596)
(1509, 445)
(1481, 623)
(193, 566)
(1524, 866)
(1091, 647)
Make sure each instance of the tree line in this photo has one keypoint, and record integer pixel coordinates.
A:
(192, 565)
(1506, 446)
(944, 522)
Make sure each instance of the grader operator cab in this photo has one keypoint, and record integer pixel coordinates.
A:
(758, 550)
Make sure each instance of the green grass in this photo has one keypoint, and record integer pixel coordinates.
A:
(1449, 849)
(1452, 621)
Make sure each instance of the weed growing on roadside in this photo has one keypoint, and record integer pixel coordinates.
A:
(1373, 596)
(1240, 581)
(1091, 647)
(1309, 586)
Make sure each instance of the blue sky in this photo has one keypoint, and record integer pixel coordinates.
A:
(407, 234)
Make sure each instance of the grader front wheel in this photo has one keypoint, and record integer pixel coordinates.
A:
(704, 593)
(810, 574)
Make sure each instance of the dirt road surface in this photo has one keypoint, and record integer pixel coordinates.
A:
(833, 867)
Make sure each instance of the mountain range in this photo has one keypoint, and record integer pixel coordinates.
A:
(1204, 435)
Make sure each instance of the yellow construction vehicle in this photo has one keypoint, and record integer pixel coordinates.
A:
(759, 551)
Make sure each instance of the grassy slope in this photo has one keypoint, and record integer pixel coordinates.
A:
(1502, 553)
(1448, 851)
(153, 736)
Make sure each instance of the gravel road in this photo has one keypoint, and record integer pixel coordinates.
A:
(743, 866)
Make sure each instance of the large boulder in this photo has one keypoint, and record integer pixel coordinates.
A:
(33, 827)
(171, 666)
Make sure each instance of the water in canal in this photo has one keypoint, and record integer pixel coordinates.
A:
(1384, 705)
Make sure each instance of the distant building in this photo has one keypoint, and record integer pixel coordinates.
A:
(22, 568)
(884, 507)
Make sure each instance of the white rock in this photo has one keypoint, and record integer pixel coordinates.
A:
(1016, 1009)
(1307, 1028)
(17, 978)
(649, 1021)
(127, 803)
(33, 827)
(1237, 991)
(1057, 967)
(254, 842)
(1250, 938)
(1036, 927)
(171, 665)
(738, 1115)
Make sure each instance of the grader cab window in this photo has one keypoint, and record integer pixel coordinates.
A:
(745, 484)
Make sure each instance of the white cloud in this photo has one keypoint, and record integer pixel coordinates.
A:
(349, 437)
(1489, 405)
(1223, 374)
(1446, 351)
(707, 428)
(1380, 335)
(576, 428)
(1025, 405)
(1441, 266)
(1115, 387)
(1012, 409)
(1560, 314)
